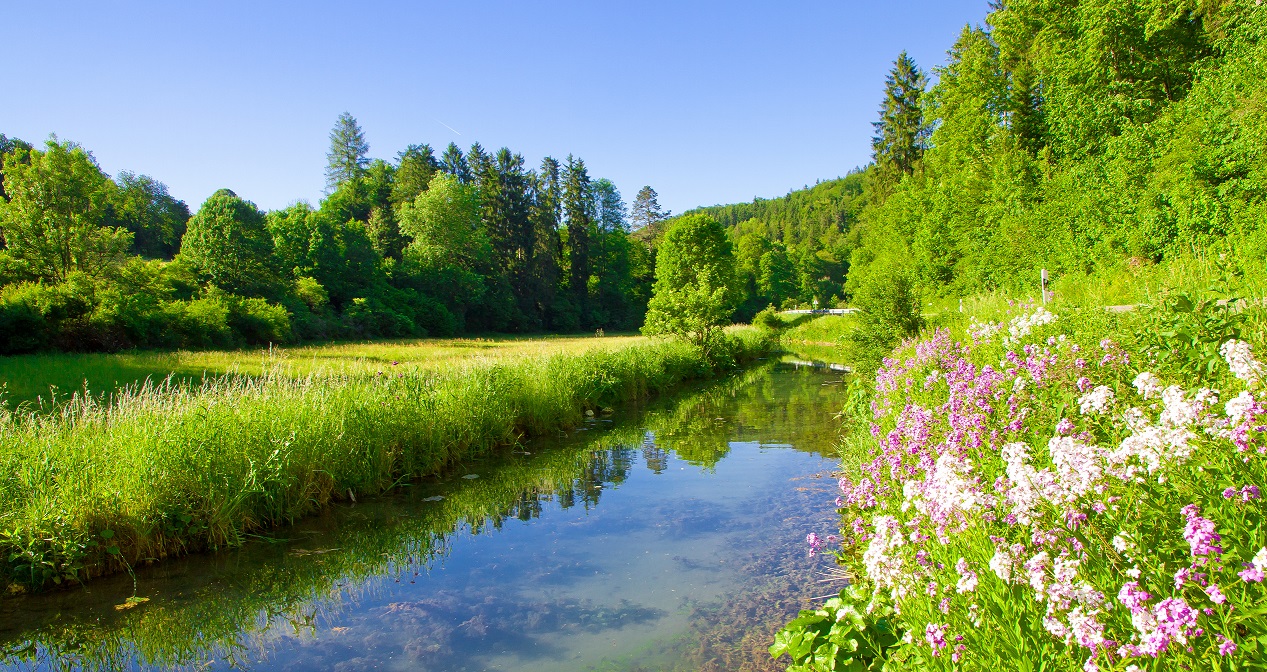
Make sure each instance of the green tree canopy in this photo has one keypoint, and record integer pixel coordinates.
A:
(228, 245)
(646, 209)
(53, 221)
(695, 288)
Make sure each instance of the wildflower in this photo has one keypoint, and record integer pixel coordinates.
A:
(1226, 646)
(1260, 560)
(1133, 597)
(1182, 576)
(944, 605)
(1216, 596)
(1064, 427)
(1001, 564)
(1084, 384)
(1240, 360)
(1229, 493)
(935, 635)
(1096, 401)
(967, 578)
(1199, 533)
(1239, 406)
(1147, 384)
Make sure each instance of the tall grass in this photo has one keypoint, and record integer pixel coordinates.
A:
(169, 468)
(41, 379)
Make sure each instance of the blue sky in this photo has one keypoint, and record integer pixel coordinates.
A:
(706, 102)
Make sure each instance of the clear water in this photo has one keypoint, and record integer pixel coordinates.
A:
(663, 538)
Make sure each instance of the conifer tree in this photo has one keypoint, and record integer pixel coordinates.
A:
(454, 163)
(547, 250)
(646, 209)
(347, 157)
(901, 134)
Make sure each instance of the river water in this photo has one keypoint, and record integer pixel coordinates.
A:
(661, 538)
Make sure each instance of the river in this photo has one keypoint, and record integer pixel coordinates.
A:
(657, 538)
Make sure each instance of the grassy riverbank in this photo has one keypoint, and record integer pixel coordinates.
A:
(168, 469)
(42, 380)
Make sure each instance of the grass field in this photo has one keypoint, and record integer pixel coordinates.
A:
(42, 379)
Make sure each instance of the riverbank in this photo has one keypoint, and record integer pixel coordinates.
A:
(166, 470)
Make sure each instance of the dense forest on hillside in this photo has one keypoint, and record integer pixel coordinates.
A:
(421, 245)
(1080, 137)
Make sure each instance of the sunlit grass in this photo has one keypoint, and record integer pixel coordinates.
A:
(43, 378)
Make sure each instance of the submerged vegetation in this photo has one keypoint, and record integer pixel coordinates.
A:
(168, 468)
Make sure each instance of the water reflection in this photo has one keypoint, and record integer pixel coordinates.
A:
(694, 556)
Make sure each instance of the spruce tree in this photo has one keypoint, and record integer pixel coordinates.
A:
(414, 169)
(646, 209)
(454, 163)
(547, 250)
(347, 157)
(901, 134)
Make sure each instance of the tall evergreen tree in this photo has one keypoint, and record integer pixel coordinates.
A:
(578, 206)
(547, 252)
(646, 209)
(901, 134)
(414, 169)
(454, 163)
(347, 157)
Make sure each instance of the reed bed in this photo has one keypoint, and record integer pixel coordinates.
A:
(175, 467)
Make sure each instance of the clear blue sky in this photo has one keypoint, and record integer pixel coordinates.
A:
(706, 102)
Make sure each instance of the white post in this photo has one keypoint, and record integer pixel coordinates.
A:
(1043, 284)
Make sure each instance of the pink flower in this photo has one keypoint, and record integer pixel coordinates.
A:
(935, 635)
(1226, 646)
(1216, 596)
(1199, 533)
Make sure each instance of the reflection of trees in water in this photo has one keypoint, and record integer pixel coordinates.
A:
(605, 467)
(657, 459)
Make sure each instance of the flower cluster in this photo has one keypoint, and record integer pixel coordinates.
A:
(1032, 467)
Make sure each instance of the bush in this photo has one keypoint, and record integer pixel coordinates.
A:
(769, 319)
(889, 311)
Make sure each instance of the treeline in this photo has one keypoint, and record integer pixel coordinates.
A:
(422, 245)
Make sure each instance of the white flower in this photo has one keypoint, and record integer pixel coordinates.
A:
(1238, 406)
(1096, 400)
(1021, 326)
(1240, 359)
(1260, 560)
(1018, 384)
(1147, 384)
(1001, 564)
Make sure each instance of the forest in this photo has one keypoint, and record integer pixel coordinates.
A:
(422, 245)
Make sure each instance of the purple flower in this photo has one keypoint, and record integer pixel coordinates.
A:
(1226, 646)
(1199, 533)
(1084, 384)
(1216, 596)
(1064, 427)
(1229, 493)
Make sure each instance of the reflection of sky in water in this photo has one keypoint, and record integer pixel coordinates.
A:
(610, 586)
(571, 588)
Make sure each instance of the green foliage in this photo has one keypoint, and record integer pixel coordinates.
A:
(842, 634)
(54, 220)
(769, 319)
(227, 244)
(889, 311)
(901, 133)
(1182, 335)
(695, 289)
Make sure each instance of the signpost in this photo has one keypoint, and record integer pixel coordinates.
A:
(1043, 284)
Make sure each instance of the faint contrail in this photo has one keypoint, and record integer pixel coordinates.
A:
(447, 126)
